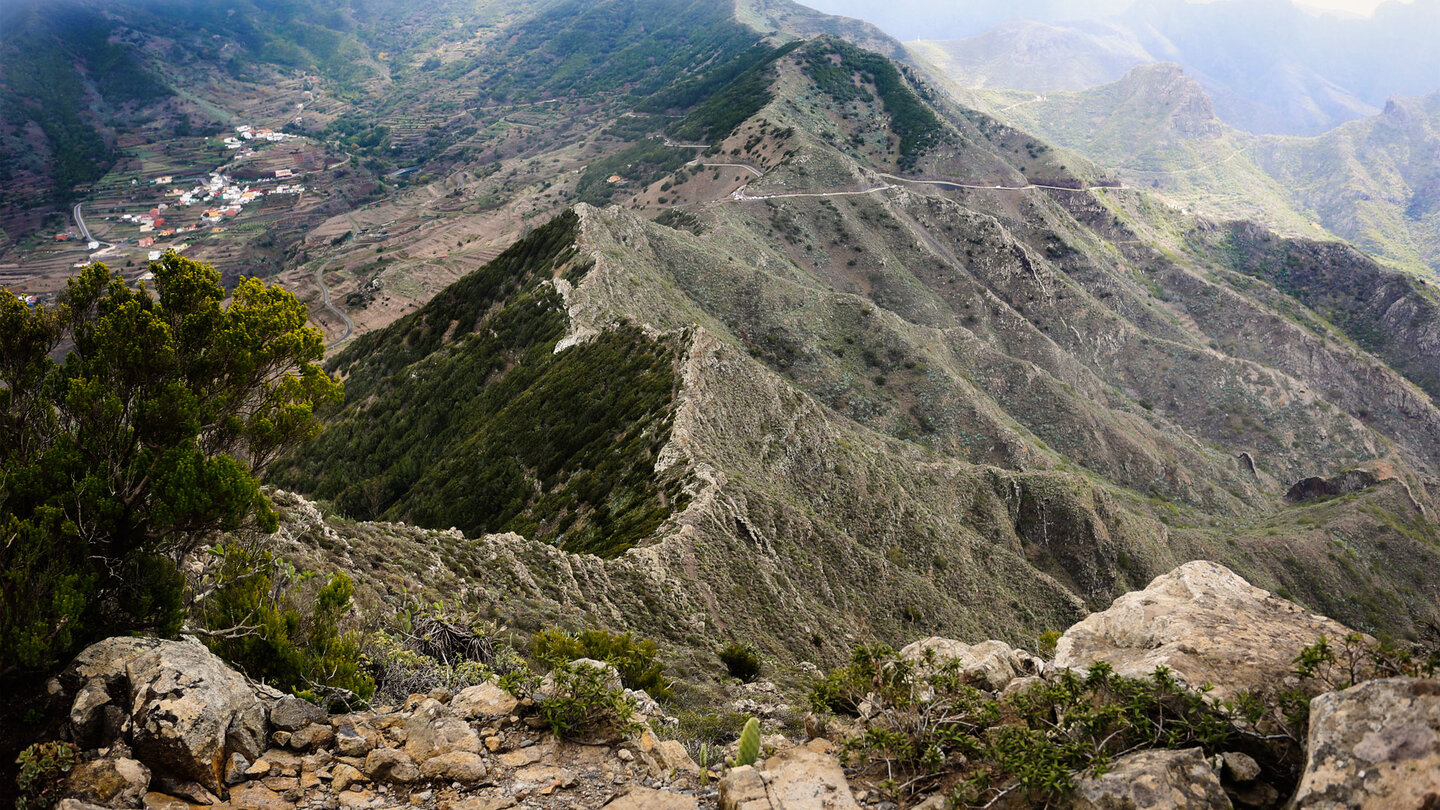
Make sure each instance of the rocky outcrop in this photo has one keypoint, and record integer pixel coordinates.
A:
(181, 709)
(1207, 625)
(483, 749)
(797, 779)
(1374, 746)
(1154, 780)
(1315, 487)
(990, 665)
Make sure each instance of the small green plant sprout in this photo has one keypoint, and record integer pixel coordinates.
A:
(749, 749)
(44, 767)
(1046, 643)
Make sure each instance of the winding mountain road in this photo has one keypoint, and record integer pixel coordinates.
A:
(325, 299)
(739, 194)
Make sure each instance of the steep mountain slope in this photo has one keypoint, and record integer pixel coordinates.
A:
(1372, 182)
(884, 363)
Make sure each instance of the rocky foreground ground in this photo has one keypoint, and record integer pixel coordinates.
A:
(165, 724)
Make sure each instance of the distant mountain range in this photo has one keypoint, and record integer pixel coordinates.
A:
(1270, 66)
(1374, 182)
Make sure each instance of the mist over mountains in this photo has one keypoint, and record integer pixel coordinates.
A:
(1270, 66)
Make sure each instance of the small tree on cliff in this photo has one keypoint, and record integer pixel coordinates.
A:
(144, 442)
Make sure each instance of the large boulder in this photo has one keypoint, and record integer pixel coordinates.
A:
(483, 701)
(795, 779)
(179, 707)
(1154, 780)
(990, 664)
(1374, 746)
(433, 730)
(109, 782)
(1207, 625)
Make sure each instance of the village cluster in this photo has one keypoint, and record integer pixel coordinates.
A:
(245, 132)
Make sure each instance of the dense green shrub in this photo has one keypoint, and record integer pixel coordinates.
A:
(633, 657)
(141, 446)
(581, 705)
(266, 622)
(44, 767)
(740, 661)
(928, 729)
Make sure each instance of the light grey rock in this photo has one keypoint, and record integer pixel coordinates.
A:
(1374, 746)
(456, 766)
(1154, 780)
(989, 665)
(110, 782)
(794, 779)
(390, 765)
(433, 730)
(292, 714)
(1207, 625)
(1240, 767)
(483, 701)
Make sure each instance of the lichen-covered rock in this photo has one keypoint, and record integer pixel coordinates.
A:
(97, 678)
(390, 765)
(293, 714)
(178, 706)
(483, 700)
(990, 664)
(433, 730)
(1154, 780)
(1374, 746)
(1206, 624)
(349, 742)
(315, 735)
(110, 782)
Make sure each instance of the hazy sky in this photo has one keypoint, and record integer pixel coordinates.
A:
(917, 19)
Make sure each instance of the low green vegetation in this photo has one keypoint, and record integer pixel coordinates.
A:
(587, 49)
(580, 704)
(44, 769)
(728, 107)
(641, 163)
(843, 72)
(633, 658)
(280, 626)
(464, 415)
(928, 729)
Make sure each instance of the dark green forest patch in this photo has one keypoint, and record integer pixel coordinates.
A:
(464, 415)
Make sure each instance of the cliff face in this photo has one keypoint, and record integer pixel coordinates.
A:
(887, 365)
